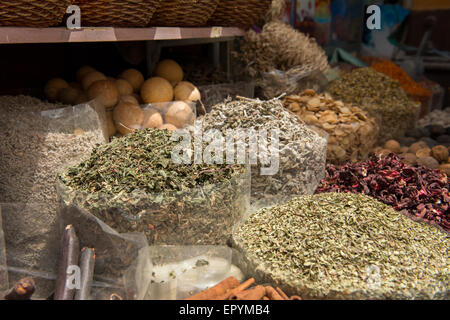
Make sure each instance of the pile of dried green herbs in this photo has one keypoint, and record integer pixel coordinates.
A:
(382, 97)
(342, 245)
(301, 150)
(132, 184)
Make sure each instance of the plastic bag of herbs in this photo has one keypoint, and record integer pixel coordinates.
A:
(343, 246)
(274, 83)
(382, 97)
(133, 184)
(38, 140)
(287, 157)
(27, 257)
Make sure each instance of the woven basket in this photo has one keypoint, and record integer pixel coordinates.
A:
(116, 13)
(29, 13)
(184, 13)
(239, 13)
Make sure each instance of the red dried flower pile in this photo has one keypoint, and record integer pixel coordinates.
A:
(416, 191)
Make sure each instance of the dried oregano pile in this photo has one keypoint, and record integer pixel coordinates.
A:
(302, 151)
(132, 184)
(382, 97)
(342, 245)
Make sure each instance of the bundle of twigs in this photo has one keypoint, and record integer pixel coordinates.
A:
(280, 57)
(276, 11)
(280, 47)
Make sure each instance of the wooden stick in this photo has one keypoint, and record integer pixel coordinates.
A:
(70, 252)
(273, 294)
(243, 286)
(87, 263)
(219, 289)
(22, 290)
(257, 293)
(282, 294)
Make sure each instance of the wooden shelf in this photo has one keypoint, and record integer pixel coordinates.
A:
(12, 35)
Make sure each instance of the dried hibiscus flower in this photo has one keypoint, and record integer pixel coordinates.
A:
(419, 192)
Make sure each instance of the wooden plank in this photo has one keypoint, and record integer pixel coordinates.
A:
(10, 35)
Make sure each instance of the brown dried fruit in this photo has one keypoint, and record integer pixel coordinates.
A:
(440, 153)
(445, 168)
(352, 133)
(428, 162)
(409, 159)
(392, 145)
(404, 149)
(424, 152)
(416, 146)
(384, 152)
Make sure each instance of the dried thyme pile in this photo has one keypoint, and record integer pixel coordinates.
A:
(302, 152)
(342, 245)
(132, 184)
(382, 97)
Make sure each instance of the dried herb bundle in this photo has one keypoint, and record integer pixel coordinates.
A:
(343, 245)
(132, 184)
(302, 151)
(280, 47)
(276, 10)
(351, 132)
(382, 97)
(416, 191)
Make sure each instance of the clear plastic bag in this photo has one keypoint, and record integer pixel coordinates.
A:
(38, 142)
(114, 252)
(174, 113)
(216, 93)
(32, 240)
(178, 272)
(276, 82)
(33, 248)
(204, 215)
(287, 157)
(3, 265)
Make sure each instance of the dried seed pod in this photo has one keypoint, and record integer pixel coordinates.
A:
(416, 146)
(404, 150)
(440, 153)
(428, 162)
(351, 132)
(445, 168)
(409, 159)
(424, 152)
(384, 152)
(392, 145)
